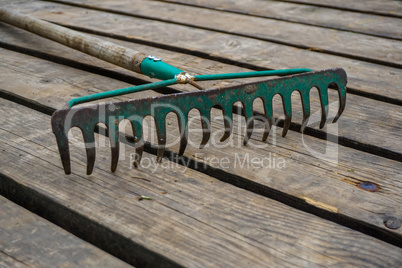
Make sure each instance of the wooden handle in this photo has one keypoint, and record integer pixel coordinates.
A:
(107, 51)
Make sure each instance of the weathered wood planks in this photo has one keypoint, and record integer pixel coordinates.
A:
(364, 77)
(307, 14)
(386, 8)
(311, 181)
(30, 241)
(193, 219)
(330, 41)
(371, 116)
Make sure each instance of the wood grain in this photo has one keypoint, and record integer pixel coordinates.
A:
(193, 220)
(30, 241)
(371, 116)
(363, 77)
(196, 217)
(387, 8)
(307, 14)
(305, 176)
(331, 41)
(110, 52)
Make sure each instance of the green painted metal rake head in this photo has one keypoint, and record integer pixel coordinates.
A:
(86, 118)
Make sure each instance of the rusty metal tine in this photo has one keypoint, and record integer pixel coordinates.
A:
(89, 140)
(87, 117)
(136, 125)
(139, 150)
(58, 127)
(64, 150)
(227, 121)
(206, 127)
(160, 125)
(287, 110)
(324, 104)
(342, 101)
(268, 114)
(305, 99)
(248, 115)
(113, 129)
(183, 127)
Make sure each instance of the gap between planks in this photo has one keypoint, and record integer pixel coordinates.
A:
(384, 148)
(212, 223)
(244, 180)
(383, 8)
(363, 80)
(353, 89)
(302, 14)
(357, 47)
(28, 240)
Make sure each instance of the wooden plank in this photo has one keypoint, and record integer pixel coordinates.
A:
(17, 39)
(306, 14)
(371, 116)
(309, 179)
(386, 8)
(28, 240)
(364, 77)
(357, 46)
(8, 261)
(110, 52)
(193, 219)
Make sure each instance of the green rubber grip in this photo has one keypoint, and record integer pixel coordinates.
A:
(155, 68)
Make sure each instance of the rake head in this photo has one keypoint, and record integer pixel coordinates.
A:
(86, 118)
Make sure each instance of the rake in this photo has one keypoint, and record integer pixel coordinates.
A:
(87, 117)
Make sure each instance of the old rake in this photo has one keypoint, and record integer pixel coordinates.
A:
(86, 118)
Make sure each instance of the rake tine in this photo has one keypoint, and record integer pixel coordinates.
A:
(138, 155)
(324, 105)
(183, 127)
(89, 139)
(228, 122)
(287, 110)
(64, 151)
(305, 99)
(268, 115)
(161, 132)
(86, 118)
(248, 115)
(62, 142)
(114, 143)
(342, 101)
(139, 144)
(155, 68)
(206, 128)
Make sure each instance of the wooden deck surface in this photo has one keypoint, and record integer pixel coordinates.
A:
(297, 201)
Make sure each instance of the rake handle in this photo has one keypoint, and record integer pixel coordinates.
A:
(121, 56)
(124, 57)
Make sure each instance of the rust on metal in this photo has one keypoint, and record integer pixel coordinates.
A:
(86, 118)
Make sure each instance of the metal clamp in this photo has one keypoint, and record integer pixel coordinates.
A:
(154, 58)
(184, 78)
